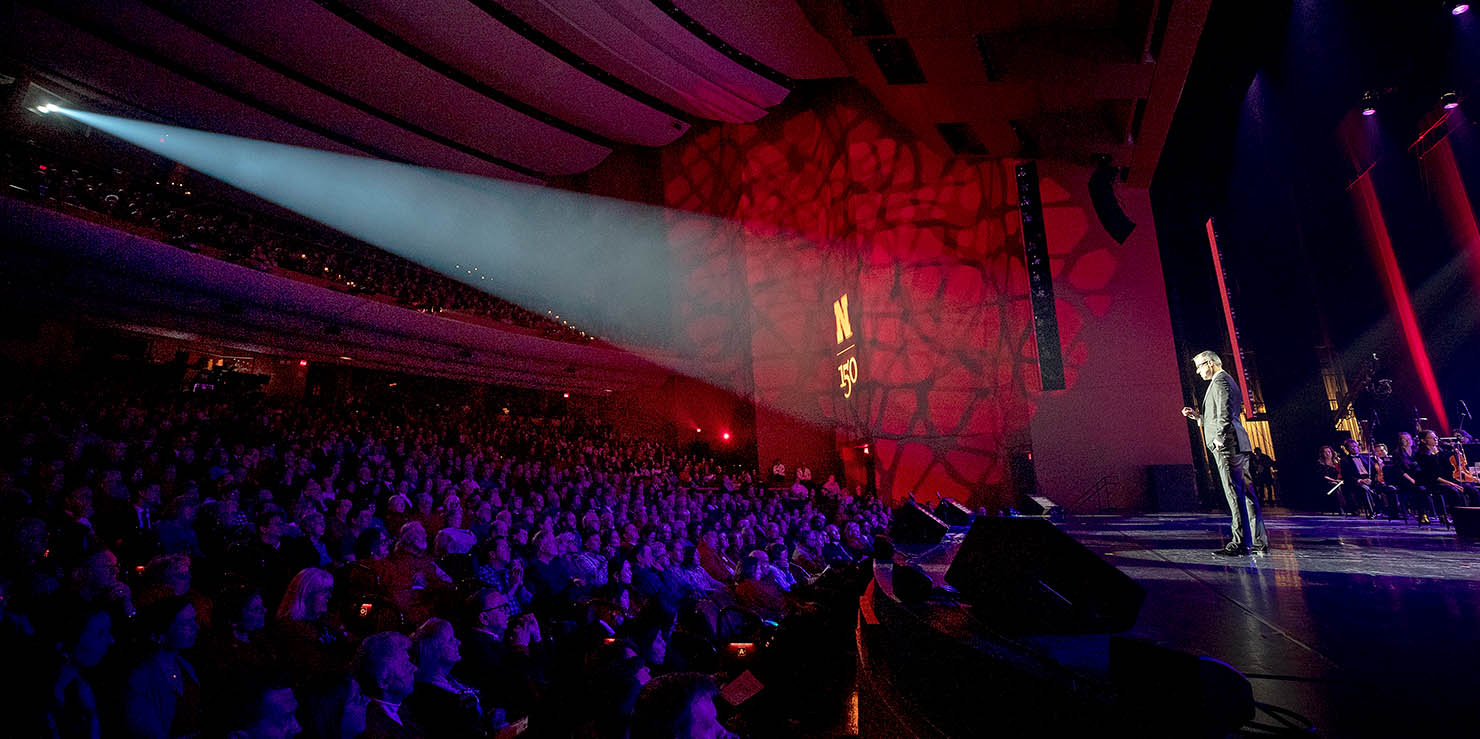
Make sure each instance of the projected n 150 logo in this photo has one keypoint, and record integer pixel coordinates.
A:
(847, 356)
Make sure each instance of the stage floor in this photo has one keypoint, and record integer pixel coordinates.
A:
(1368, 628)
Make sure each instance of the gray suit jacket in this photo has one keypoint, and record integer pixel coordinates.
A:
(1220, 415)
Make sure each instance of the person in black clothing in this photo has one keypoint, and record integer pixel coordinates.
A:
(1359, 478)
(1402, 473)
(384, 671)
(1435, 472)
(483, 652)
(261, 559)
(440, 703)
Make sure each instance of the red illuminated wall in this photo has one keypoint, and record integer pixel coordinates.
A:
(779, 218)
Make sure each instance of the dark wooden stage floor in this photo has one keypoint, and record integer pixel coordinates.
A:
(1369, 628)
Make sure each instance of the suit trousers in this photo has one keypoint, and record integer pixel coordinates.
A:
(1248, 523)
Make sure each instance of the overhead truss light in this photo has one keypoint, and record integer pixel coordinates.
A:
(1369, 102)
(1450, 100)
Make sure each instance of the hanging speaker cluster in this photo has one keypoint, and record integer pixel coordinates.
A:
(1107, 205)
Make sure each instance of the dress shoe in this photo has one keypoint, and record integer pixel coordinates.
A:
(1231, 551)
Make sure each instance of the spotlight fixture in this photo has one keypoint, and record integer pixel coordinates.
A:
(1450, 100)
(1458, 8)
(1369, 102)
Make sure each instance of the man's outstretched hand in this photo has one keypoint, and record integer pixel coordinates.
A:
(1191, 413)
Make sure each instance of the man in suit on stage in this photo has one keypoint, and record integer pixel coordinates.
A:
(1224, 436)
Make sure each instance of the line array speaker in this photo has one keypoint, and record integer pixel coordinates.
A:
(1040, 279)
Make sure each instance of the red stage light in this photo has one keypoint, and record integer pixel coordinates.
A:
(303, 363)
(725, 436)
(42, 167)
(567, 396)
(1382, 242)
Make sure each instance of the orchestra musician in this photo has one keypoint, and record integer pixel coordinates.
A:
(1359, 478)
(1457, 461)
(1436, 472)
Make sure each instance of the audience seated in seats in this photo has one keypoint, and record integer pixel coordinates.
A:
(615, 677)
(264, 708)
(678, 706)
(712, 557)
(413, 579)
(171, 213)
(691, 573)
(385, 673)
(484, 655)
(80, 637)
(314, 646)
(237, 643)
(443, 705)
(756, 590)
(615, 548)
(162, 693)
(808, 554)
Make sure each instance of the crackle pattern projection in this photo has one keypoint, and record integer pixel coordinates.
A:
(834, 199)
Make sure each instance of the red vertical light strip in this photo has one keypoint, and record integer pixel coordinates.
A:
(1377, 232)
(1454, 200)
(1238, 355)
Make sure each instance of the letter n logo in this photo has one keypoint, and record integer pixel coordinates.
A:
(840, 319)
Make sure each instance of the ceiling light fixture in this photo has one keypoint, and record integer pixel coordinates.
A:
(1369, 102)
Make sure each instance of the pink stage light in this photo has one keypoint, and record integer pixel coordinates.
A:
(1369, 110)
(1377, 231)
(1459, 9)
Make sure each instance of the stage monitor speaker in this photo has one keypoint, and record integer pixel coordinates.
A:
(953, 513)
(1023, 576)
(914, 524)
(1466, 521)
(1173, 488)
(1040, 505)
(1107, 206)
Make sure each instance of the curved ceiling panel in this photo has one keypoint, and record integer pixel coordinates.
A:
(775, 33)
(307, 37)
(473, 41)
(666, 34)
(56, 46)
(162, 38)
(588, 30)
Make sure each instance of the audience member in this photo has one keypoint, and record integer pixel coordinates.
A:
(582, 536)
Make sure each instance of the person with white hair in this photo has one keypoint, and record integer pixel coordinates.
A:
(1225, 437)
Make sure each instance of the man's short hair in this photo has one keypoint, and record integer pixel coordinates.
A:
(665, 705)
(373, 656)
(1211, 357)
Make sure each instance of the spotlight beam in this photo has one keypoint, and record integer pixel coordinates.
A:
(602, 264)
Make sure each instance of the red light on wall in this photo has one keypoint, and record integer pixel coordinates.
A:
(303, 363)
(865, 450)
(41, 167)
(567, 396)
(725, 436)
(698, 430)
